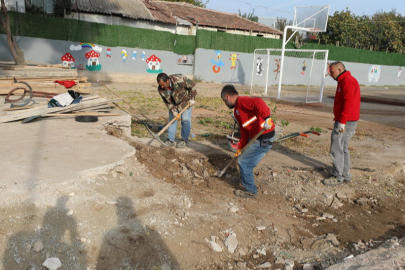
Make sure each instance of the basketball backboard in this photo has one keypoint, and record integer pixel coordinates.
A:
(313, 18)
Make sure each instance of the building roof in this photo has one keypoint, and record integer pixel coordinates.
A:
(134, 9)
(213, 18)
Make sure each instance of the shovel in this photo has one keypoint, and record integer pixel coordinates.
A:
(157, 136)
(295, 134)
(220, 173)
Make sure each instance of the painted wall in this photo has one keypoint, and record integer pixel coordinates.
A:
(99, 58)
(209, 65)
(211, 68)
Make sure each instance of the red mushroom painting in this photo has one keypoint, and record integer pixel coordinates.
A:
(68, 60)
(92, 61)
(153, 64)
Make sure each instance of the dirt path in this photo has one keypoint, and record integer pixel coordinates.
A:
(162, 209)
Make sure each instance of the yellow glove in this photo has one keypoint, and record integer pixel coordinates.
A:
(238, 153)
(176, 115)
(268, 123)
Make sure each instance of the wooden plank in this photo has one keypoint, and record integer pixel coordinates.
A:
(35, 78)
(19, 115)
(37, 82)
(40, 84)
(82, 114)
(59, 90)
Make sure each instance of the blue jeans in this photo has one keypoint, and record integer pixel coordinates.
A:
(248, 161)
(185, 126)
(339, 150)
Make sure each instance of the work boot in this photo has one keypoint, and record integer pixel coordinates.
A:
(245, 194)
(181, 144)
(332, 181)
(170, 143)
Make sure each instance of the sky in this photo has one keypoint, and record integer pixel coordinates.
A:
(285, 8)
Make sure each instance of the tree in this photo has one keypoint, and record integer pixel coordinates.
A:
(198, 3)
(61, 6)
(249, 16)
(384, 31)
(16, 51)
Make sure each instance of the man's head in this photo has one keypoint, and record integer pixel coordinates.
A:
(163, 80)
(335, 69)
(229, 95)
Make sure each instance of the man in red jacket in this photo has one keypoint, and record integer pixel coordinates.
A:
(252, 115)
(346, 109)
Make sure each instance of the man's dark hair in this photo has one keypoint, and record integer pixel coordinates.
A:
(229, 90)
(162, 77)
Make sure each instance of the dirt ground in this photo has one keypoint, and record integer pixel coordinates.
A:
(163, 209)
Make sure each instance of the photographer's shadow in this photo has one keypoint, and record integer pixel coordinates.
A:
(131, 245)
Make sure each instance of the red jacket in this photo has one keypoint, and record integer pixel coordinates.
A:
(255, 110)
(347, 99)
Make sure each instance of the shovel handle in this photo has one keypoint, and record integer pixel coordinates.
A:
(171, 121)
(219, 174)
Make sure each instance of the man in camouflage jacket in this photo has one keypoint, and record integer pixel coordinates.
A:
(177, 91)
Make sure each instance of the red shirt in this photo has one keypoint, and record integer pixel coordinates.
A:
(346, 106)
(250, 114)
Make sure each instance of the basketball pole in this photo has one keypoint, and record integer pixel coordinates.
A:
(283, 51)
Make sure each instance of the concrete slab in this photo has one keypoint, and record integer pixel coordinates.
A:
(55, 150)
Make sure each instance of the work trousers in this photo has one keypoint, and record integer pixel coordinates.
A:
(248, 160)
(339, 151)
(185, 126)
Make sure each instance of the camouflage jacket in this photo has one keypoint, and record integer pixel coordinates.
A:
(183, 90)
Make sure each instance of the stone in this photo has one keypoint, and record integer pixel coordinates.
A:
(165, 267)
(308, 266)
(265, 265)
(112, 202)
(327, 215)
(52, 263)
(362, 201)
(231, 242)
(241, 265)
(242, 252)
(38, 246)
(234, 209)
(260, 228)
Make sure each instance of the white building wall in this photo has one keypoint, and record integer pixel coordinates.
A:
(116, 20)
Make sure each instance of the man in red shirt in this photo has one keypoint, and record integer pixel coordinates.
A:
(346, 109)
(252, 115)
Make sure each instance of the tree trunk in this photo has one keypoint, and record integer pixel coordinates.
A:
(15, 49)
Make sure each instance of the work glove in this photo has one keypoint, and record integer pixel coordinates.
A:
(268, 124)
(341, 127)
(192, 102)
(238, 153)
(176, 115)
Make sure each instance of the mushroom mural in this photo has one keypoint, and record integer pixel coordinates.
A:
(153, 64)
(68, 60)
(92, 61)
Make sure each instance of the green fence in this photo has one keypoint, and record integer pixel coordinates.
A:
(345, 54)
(113, 35)
(101, 34)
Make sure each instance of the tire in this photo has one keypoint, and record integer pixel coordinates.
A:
(86, 118)
(232, 144)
